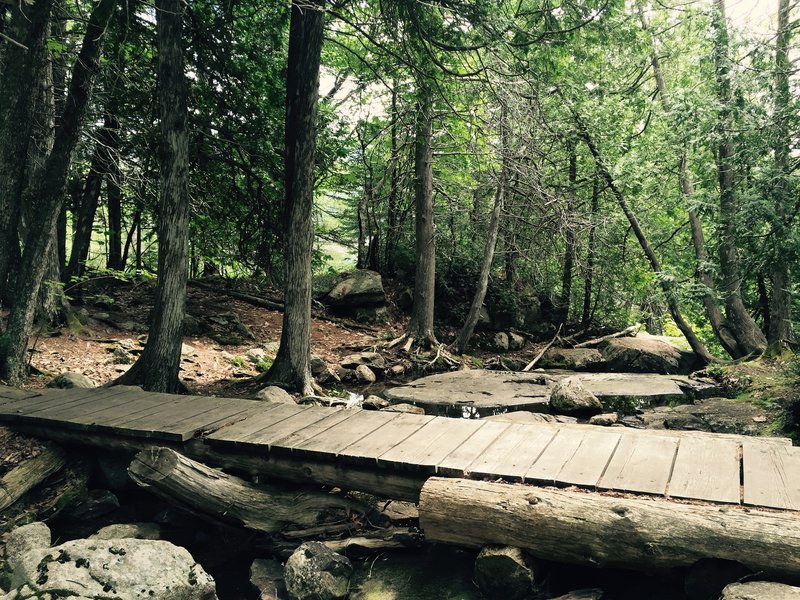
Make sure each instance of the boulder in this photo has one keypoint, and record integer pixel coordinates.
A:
(573, 359)
(760, 590)
(371, 314)
(374, 403)
(273, 393)
(137, 531)
(504, 573)
(360, 288)
(121, 356)
(500, 341)
(266, 576)
(484, 320)
(71, 379)
(25, 539)
(570, 397)
(192, 326)
(315, 572)
(604, 420)
(585, 594)
(256, 355)
(116, 569)
(365, 375)
(647, 354)
(318, 365)
(374, 360)
(515, 341)
(716, 415)
(405, 408)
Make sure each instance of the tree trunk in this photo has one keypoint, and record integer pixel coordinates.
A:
(420, 328)
(665, 282)
(137, 216)
(49, 193)
(114, 195)
(18, 82)
(713, 312)
(392, 210)
(748, 336)
(461, 343)
(780, 324)
(590, 255)
(157, 367)
(603, 531)
(201, 489)
(291, 367)
(569, 246)
(29, 473)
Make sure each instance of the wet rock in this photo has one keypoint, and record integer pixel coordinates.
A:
(137, 531)
(706, 578)
(71, 379)
(570, 397)
(266, 576)
(500, 341)
(373, 360)
(365, 375)
(25, 539)
(604, 420)
(647, 354)
(760, 590)
(515, 341)
(120, 569)
(574, 359)
(360, 288)
(273, 393)
(405, 408)
(503, 573)
(374, 403)
(315, 572)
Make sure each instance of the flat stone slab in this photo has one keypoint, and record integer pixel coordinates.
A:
(531, 391)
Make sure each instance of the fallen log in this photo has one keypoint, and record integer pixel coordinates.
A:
(606, 531)
(627, 332)
(539, 356)
(200, 489)
(30, 471)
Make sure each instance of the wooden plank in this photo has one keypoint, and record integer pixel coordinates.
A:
(590, 459)
(67, 413)
(105, 412)
(426, 448)
(512, 453)
(706, 469)
(369, 448)
(12, 393)
(47, 398)
(560, 451)
(640, 465)
(341, 435)
(234, 434)
(275, 432)
(163, 416)
(295, 439)
(771, 475)
(455, 464)
(232, 411)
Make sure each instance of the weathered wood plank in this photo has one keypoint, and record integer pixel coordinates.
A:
(590, 459)
(640, 465)
(394, 433)
(706, 470)
(771, 475)
(280, 429)
(47, 398)
(238, 431)
(98, 400)
(295, 439)
(12, 393)
(232, 411)
(560, 451)
(455, 464)
(426, 448)
(341, 435)
(512, 453)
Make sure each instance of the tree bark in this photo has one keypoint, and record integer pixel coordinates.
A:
(569, 246)
(604, 531)
(114, 196)
(268, 508)
(588, 281)
(420, 328)
(461, 343)
(394, 182)
(665, 283)
(29, 473)
(291, 368)
(715, 316)
(780, 324)
(748, 336)
(157, 367)
(49, 193)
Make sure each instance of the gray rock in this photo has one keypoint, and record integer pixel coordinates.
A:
(360, 288)
(329, 401)
(365, 375)
(585, 594)
(71, 379)
(315, 572)
(121, 356)
(515, 341)
(500, 341)
(256, 355)
(397, 370)
(192, 326)
(120, 569)
(708, 577)
(273, 393)
(570, 397)
(574, 359)
(187, 350)
(266, 576)
(720, 415)
(374, 403)
(373, 360)
(647, 354)
(604, 420)
(371, 314)
(503, 573)
(25, 539)
(318, 365)
(760, 590)
(138, 531)
(484, 320)
(405, 408)
(522, 416)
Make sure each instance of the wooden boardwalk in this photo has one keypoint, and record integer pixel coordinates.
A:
(687, 465)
